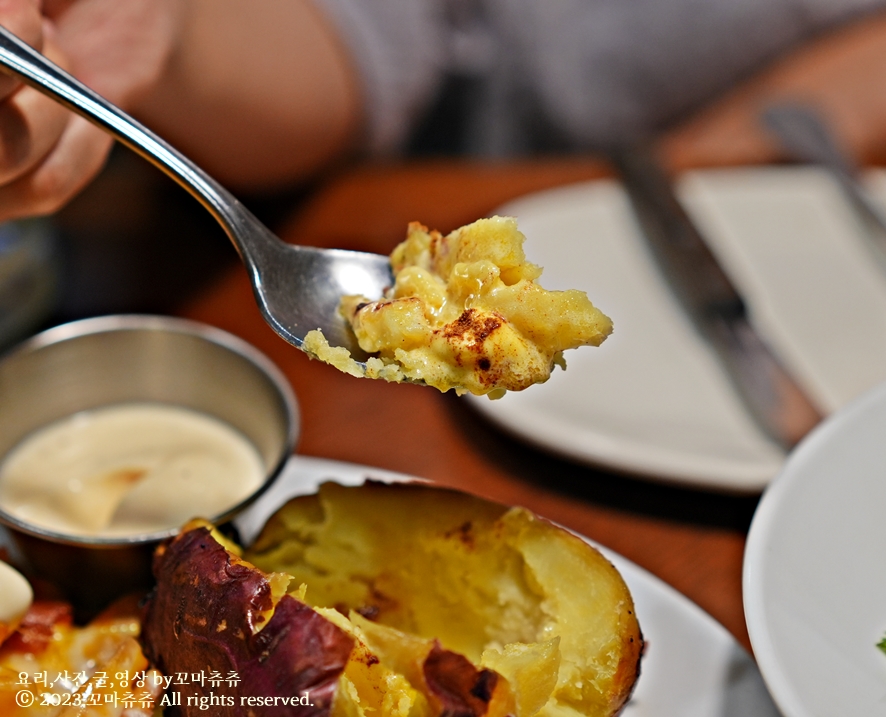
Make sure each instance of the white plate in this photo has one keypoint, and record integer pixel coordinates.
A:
(692, 667)
(653, 400)
(815, 573)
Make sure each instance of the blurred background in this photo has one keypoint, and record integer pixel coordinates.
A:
(134, 242)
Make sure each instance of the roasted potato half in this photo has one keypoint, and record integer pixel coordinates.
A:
(442, 604)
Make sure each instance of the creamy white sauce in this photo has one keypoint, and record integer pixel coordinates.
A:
(128, 469)
(15, 595)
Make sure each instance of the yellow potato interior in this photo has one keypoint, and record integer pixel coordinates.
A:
(402, 566)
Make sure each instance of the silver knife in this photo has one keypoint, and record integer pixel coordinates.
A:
(713, 303)
(803, 133)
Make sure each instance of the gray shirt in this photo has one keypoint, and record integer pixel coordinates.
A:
(562, 73)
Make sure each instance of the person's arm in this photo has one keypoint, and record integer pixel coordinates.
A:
(260, 94)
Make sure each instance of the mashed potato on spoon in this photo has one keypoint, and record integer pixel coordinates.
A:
(465, 313)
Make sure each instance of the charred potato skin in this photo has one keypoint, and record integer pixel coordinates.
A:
(208, 612)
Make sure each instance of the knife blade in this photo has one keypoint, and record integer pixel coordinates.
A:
(713, 303)
(803, 133)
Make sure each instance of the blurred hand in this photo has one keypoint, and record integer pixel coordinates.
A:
(260, 94)
(119, 49)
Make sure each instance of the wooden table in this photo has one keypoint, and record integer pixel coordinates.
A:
(690, 539)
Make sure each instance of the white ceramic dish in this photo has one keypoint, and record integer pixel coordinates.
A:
(653, 400)
(692, 667)
(814, 577)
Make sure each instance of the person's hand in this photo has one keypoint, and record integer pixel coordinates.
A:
(119, 49)
(261, 95)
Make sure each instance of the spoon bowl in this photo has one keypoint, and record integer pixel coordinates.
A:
(297, 288)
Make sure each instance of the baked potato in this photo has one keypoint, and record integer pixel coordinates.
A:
(423, 602)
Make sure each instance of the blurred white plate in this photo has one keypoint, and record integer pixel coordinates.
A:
(692, 666)
(653, 400)
(814, 575)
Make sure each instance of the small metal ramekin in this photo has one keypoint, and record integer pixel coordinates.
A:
(131, 358)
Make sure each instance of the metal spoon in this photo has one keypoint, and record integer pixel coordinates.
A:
(297, 288)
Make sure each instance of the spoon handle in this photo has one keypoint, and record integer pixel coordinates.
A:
(23, 62)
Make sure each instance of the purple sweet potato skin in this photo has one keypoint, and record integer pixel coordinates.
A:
(461, 689)
(201, 618)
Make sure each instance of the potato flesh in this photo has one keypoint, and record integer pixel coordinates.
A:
(531, 671)
(510, 592)
(372, 686)
(466, 313)
(357, 560)
(595, 632)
